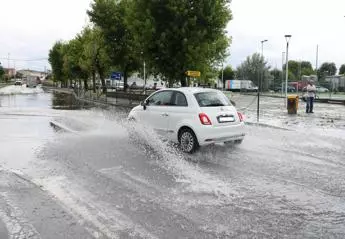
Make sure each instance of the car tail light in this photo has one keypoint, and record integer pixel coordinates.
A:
(240, 116)
(204, 119)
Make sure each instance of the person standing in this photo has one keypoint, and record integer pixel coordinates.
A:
(311, 90)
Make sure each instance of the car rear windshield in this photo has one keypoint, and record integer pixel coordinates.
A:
(212, 99)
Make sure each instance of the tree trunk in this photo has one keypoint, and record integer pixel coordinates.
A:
(125, 80)
(94, 81)
(101, 75)
(86, 86)
(183, 81)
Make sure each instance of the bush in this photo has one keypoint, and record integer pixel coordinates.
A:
(341, 89)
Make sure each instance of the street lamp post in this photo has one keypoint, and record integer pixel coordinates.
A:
(144, 77)
(282, 85)
(144, 64)
(260, 79)
(287, 38)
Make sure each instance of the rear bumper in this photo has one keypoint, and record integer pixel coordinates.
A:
(211, 135)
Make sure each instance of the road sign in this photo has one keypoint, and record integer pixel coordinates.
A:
(115, 76)
(193, 73)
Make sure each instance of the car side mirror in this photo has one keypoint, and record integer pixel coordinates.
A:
(144, 104)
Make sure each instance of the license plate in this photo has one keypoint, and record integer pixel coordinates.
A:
(226, 119)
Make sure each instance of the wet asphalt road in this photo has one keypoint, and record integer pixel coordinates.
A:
(104, 178)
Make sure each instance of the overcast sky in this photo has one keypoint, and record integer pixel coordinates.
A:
(28, 29)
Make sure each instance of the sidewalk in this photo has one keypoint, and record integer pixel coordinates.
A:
(273, 112)
(322, 97)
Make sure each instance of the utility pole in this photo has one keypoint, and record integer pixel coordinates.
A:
(317, 58)
(283, 56)
(144, 77)
(287, 37)
(260, 79)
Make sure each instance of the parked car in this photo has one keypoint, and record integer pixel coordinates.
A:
(289, 89)
(321, 89)
(191, 117)
(18, 82)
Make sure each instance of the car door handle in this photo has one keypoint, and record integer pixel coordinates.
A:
(165, 115)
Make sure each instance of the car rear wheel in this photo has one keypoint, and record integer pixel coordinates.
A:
(188, 141)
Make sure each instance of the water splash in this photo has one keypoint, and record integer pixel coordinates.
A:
(17, 90)
(192, 178)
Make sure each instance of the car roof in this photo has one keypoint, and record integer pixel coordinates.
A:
(191, 90)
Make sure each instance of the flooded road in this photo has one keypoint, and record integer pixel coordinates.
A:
(102, 177)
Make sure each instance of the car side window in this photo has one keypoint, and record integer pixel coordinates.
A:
(162, 98)
(180, 99)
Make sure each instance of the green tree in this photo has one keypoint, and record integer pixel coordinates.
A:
(2, 72)
(176, 36)
(307, 68)
(327, 69)
(228, 74)
(94, 55)
(294, 70)
(56, 60)
(299, 68)
(306, 65)
(109, 16)
(252, 69)
(342, 69)
(277, 77)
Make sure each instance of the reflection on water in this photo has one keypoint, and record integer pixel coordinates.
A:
(67, 101)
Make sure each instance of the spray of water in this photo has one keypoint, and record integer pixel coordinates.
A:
(17, 90)
(190, 175)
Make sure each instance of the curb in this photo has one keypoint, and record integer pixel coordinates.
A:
(90, 101)
(60, 127)
(102, 103)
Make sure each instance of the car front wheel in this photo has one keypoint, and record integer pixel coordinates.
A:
(188, 141)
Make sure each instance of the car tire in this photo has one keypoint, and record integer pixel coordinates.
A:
(188, 141)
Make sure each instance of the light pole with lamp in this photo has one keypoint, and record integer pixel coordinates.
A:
(282, 85)
(260, 79)
(287, 38)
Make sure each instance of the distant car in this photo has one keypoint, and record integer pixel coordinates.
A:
(321, 89)
(18, 82)
(192, 117)
(289, 89)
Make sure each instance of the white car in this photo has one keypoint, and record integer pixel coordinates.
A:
(192, 117)
(321, 89)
